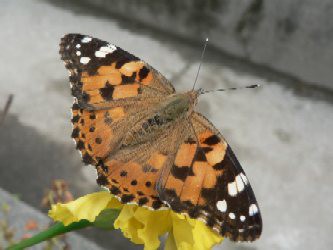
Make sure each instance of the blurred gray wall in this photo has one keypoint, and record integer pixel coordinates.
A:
(293, 37)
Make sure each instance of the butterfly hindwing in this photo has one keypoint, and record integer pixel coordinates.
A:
(206, 181)
(133, 181)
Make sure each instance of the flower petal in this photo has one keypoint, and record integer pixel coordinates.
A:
(170, 243)
(86, 207)
(143, 226)
(192, 234)
(204, 237)
(139, 224)
(182, 231)
(128, 224)
(155, 224)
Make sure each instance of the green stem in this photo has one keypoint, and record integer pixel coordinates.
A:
(49, 233)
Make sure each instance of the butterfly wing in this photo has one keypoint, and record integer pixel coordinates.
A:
(101, 73)
(112, 90)
(206, 181)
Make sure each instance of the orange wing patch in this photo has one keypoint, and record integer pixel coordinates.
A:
(193, 183)
(181, 167)
(185, 154)
(125, 91)
(139, 69)
(98, 81)
(156, 161)
(193, 168)
(214, 148)
(110, 83)
(110, 92)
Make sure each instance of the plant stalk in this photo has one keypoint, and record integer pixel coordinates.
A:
(55, 230)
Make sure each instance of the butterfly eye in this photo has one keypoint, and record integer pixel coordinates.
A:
(145, 126)
(151, 122)
(158, 120)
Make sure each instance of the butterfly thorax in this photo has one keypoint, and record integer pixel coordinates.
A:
(168, 113)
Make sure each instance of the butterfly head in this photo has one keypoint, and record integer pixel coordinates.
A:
(200, 91)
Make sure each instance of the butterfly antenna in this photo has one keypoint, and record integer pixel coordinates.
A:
(202, 55)
(227, 89)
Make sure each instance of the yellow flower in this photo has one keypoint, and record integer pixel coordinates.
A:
(140, 225)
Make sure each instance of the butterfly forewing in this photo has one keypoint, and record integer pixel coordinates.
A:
(109, 86)
(126, 123)
(101, 72)
(206, 181)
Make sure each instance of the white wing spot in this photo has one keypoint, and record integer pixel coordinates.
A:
(86, 39)
(240, 183)
(242, 218)
(103, 51)
(78, 46)
(84, 60)
(222, 206)
(100, 54)
(232, 216)
(78, 53)
(253, 209)
(232, 188)
(109, 48)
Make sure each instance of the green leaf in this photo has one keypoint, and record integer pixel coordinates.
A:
(105, 220)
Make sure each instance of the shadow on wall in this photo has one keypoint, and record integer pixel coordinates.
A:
(31, 161)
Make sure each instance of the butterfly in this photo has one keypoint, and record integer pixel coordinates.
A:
(148, 144)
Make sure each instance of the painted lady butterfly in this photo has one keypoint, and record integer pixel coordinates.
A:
(148, 144)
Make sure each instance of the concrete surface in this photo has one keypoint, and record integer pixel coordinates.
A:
(294, 37)
(281, 137)
(20, 213)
